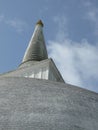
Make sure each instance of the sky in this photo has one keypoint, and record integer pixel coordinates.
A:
(70, 31)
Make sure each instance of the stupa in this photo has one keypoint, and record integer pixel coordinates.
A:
(36, 97)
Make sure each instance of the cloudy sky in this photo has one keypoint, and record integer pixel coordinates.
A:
(70, 30)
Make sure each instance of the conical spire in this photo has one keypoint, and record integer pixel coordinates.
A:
(36, 50)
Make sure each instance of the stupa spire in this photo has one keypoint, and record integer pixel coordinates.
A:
(40, 23)
(36, 50)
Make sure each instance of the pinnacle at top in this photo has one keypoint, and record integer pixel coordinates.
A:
(36, 50)
(40, 23)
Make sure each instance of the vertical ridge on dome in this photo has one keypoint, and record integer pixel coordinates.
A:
(36, 50)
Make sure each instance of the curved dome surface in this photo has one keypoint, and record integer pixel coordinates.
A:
(32, 104)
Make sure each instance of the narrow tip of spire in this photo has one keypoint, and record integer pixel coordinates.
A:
(40, 23)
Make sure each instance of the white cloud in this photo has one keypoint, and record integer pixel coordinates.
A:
(17, 24)
(62, 23)
(78, 62)
(92, 15)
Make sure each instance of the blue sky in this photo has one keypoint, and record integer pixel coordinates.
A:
(71, 35)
